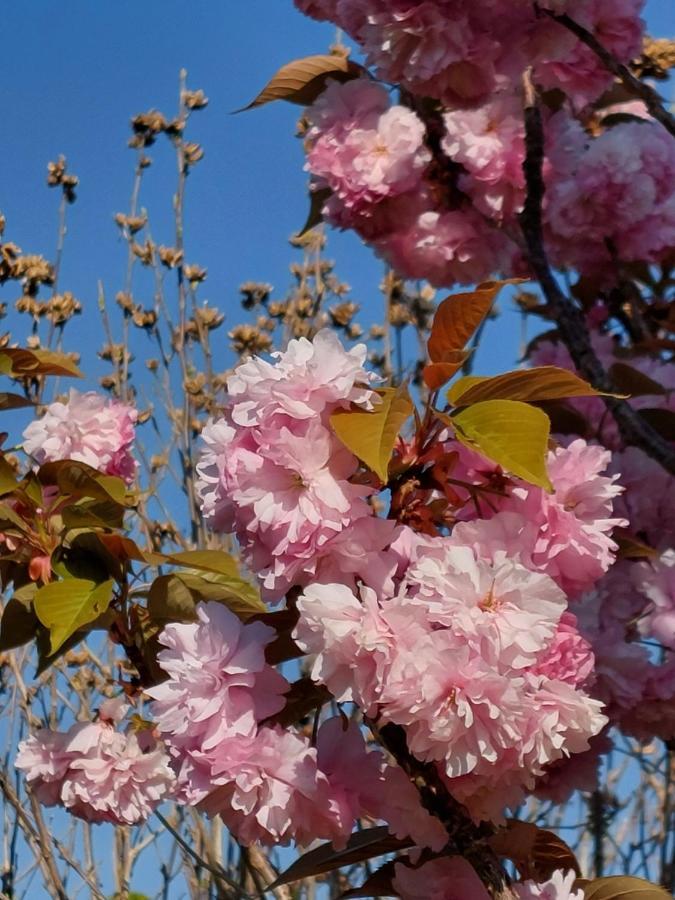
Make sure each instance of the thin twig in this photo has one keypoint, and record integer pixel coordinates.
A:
(633, 84)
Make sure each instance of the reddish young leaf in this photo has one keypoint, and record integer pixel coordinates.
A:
(361, 846)
(458, 317)
(536, 852)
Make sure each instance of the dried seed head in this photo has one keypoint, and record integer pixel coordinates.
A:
(343, 313)
(144, 252)
(170, 256)
(658, 57)
(194, 274)
(131, 224)
(248, 340)
(254, 293)
(149, 123)
(277, 309)
(399, 315)
(192, 153)
(158, 461)
(194, 99)
(125, 302)
(62, 307)
(209, 317)
(30, 306)
(144, 318)
(34, 270)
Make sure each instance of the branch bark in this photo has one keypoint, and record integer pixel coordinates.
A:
(633, 84)
(633, 428)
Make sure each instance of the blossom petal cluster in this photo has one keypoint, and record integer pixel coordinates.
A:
(465, 657)
(268, 783)
(97, 773)
(618, 200)
(560, 886)
(567, 533)
(461, 53)
(273, 473)
(88, 428)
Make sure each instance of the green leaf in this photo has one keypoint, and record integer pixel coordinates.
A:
(510, 433)
(526, 385)
(8, 481)
(10, 520)
(80, 480)
(172, 598)
(361, 845)
(65, 606)
(303, 80)
(623, 887)
(87, 513)
(19, 362)
(209, 560)
(372, 436)
(19, 623)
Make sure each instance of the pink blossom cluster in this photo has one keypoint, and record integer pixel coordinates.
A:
(88, 428)
(628, 614)
(273, 472)
(453, 878)
(362, 148)
(560, 886)
(96, 772)
(461, 53)
(374, 158)
(617, 202)
(568, 533)
(268, 783)
(470, 656)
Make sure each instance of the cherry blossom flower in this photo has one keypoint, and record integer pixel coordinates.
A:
(560, 886)
(620, 195)
(97, 773)
(88, 428)
(362, 149)
(447, 878)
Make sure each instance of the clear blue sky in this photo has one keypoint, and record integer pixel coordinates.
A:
(72, 74)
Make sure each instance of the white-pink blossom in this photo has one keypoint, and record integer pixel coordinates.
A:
(96, 772)
(88, 428)
(560, 886)
(363, 149)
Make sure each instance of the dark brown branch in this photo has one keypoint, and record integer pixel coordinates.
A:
(633, 84)
(634, 429)
(465, 838)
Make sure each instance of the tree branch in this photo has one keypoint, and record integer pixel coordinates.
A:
(633, 84)
(570, 321)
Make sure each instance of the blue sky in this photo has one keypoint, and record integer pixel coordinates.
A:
(71, 77)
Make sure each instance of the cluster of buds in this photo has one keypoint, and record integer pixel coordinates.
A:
(58, 176)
